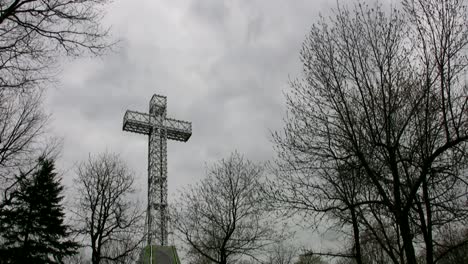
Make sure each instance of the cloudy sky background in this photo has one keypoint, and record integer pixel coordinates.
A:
(223, 65)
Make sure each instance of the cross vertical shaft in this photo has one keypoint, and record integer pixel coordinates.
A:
(159, 129)
(157, 177)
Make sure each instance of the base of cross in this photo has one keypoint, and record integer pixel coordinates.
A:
(159, 255)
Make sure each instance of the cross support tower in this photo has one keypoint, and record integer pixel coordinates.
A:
(159, 129)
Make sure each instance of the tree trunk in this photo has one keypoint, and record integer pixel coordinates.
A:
(95, 258)
(357, 240)
(223, 257)
(429, 248)
(407, 237)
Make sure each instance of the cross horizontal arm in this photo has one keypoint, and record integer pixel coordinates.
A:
(136, 122)
(178, 129)
(142, 123)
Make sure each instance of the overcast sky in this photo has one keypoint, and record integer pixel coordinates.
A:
(223, 65)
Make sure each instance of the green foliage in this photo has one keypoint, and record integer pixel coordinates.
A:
(32, 224)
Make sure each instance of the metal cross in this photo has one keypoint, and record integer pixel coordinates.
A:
(159, 128)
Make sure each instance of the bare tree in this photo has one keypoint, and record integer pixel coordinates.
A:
(34, 33)
(106, 214)
(223, 216)
(384, 96)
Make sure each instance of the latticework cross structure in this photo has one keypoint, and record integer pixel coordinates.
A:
(159, 129)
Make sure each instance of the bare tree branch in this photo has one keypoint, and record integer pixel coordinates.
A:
(34, 33)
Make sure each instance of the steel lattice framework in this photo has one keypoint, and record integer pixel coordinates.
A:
(159, 129)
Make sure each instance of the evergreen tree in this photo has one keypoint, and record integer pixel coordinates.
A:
(32, 225)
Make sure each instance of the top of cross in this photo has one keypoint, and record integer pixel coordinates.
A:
(158, 104)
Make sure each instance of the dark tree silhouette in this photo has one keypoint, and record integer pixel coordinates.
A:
(32, 224)
(34, 35)
(377, 130)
